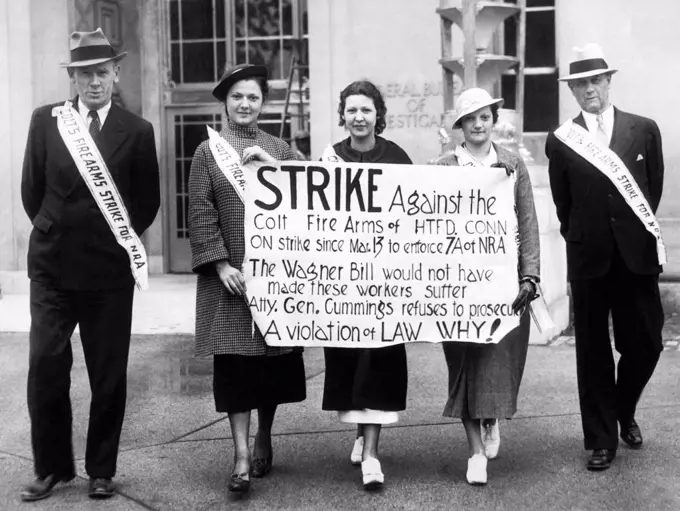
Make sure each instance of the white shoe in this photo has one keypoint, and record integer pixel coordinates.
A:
(372, 475)
(476, 472)
(357, 451)
(491, 438)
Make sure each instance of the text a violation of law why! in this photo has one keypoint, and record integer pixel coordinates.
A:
(314, 333)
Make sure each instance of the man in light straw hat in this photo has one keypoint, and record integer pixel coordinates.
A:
(90, 186)
(606, 175)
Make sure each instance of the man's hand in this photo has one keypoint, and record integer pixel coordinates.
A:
(527, 291)
(231, 278)
(256, 153)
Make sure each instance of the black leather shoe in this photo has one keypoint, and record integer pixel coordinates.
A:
(262, 466)
(631, 434)
(238, 483)
(601, 459)
(101, 488)
(41, 488)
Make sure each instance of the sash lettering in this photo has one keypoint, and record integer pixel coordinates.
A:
(228, 161)
(96, 175)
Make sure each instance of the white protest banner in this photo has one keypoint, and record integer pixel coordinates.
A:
(368, 255)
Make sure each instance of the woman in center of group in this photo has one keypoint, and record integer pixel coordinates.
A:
(248, 374)
(366, 386)
(484, 379)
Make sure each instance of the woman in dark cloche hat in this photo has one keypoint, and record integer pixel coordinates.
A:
(248, 374)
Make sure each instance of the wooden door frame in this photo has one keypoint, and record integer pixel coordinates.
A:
(173, 264)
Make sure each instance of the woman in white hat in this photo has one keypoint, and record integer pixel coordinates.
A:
(484, 379)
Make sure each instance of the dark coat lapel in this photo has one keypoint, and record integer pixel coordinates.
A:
(113, 133)
(581, 121)
(504, 156)
(624, 133)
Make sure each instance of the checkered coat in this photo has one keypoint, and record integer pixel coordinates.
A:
(224, 324)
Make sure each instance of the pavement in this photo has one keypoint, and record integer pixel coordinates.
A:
(168, 307)
(176, 451)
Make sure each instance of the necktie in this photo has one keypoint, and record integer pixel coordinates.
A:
(95, 125)
(601, 134)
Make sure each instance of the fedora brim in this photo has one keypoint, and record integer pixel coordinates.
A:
(92, 62)
(467, 111)
(587, 74)
(222, 89)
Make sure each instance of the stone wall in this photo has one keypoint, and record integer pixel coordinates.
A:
(34, 38)
(33, 41)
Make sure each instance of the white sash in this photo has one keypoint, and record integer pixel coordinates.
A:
(330, 155)
(606, 161)
(95, 173)
(228, 161)
(465, 159)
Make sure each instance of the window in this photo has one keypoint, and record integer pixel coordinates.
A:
(540, 72)
(206, 34)
(264, 34)
(189, 133)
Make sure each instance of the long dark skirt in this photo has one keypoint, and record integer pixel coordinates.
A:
(358, 378)
(484, 379)
(242, 383)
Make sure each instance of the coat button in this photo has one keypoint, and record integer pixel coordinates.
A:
(609, 196)
(613, 219)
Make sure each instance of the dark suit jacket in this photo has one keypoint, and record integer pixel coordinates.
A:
(71, 245)
(594, 217)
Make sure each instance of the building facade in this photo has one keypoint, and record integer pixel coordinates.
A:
(313, 48)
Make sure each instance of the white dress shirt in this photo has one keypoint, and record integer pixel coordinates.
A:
(101, 112)
(465, 158)
(607, 118)
(491, 158)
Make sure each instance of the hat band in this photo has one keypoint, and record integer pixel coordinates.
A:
(583, 66)
(99, 51)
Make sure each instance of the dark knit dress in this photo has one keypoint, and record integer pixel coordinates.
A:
(367, 378)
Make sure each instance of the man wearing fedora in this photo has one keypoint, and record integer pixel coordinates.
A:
(613, 257)
(80, 274)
